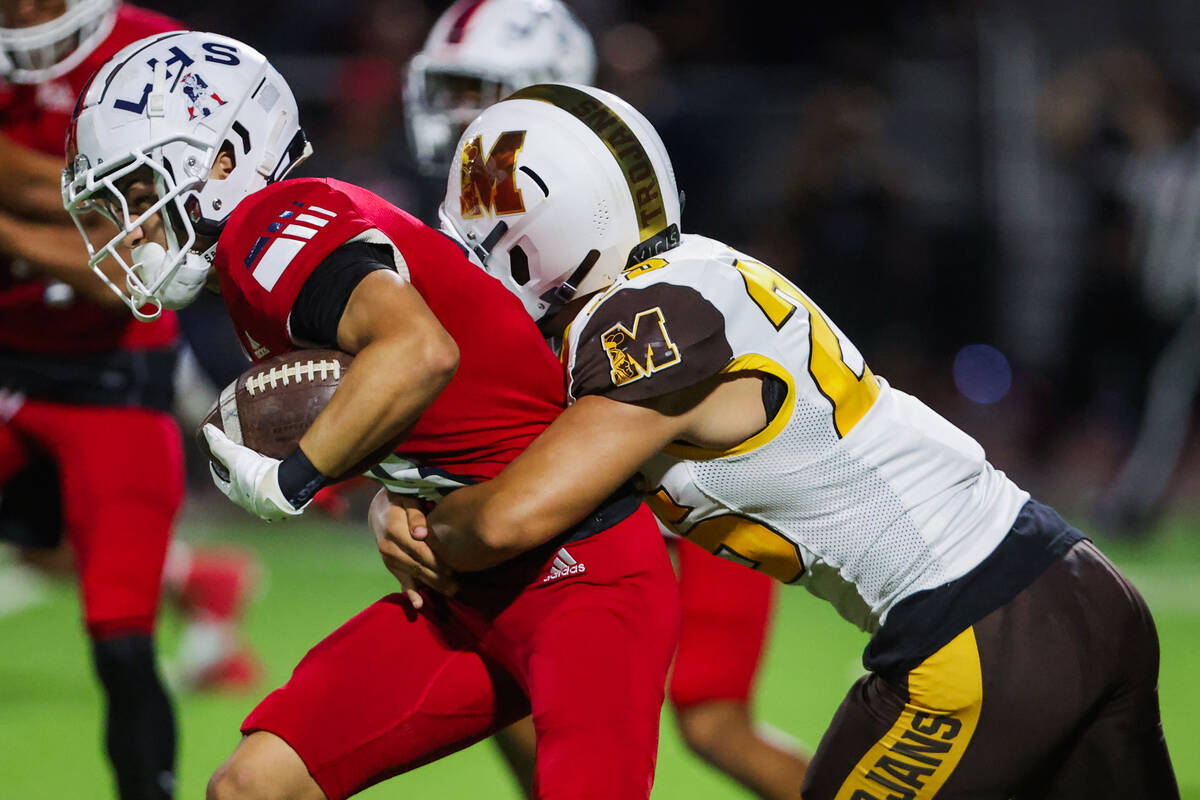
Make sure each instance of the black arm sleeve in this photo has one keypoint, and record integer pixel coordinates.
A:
(323, 298)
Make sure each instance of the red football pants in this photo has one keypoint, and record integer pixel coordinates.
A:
(726, 612)
(586, 650)
(121, 478)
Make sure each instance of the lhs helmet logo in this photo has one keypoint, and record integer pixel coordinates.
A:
(200, 100)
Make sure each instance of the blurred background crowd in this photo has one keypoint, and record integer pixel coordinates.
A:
(999, 202)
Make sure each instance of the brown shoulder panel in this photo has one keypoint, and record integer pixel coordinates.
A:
(648, 342)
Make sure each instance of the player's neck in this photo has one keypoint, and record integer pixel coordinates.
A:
(554, 326)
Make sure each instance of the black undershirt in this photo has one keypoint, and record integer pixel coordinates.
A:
(774, 392)
(322, 300)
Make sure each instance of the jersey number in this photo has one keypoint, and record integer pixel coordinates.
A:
(734, 537)
(850, 393)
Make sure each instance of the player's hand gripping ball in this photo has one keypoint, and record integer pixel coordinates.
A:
(270, 406)
(259, 419)
(247, 477)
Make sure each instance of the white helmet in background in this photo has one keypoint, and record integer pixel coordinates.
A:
(48, 50)
(167, 105)
(479, 52)
(558, 189)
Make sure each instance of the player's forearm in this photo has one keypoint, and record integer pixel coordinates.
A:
(478, 527)
(35, 199)
(472, 530)
(390, 383)
(32, 181)
(403, 358)
(570, 469)
(54, 251)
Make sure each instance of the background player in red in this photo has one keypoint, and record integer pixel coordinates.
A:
(317, 262)
(478, 52)
(88, 447)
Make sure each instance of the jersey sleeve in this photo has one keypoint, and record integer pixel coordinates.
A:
(272, 244)
(645, 342)
(326, 293)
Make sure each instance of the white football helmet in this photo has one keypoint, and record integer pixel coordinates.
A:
(480, 51)
(558, 189)
(166, 105)
(46, 51)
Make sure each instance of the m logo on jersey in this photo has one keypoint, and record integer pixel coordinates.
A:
(644, 350)
(489, 184)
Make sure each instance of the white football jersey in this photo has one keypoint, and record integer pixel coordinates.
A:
(854, 489)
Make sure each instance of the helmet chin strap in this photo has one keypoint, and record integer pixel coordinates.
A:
(484, 248)
(185, 277)
(564, 293)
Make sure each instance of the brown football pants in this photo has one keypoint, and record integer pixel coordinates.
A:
(1053, 695)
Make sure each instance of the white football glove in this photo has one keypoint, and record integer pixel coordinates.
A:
(253, 479)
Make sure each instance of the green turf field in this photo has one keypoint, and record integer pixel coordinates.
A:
(320, 573)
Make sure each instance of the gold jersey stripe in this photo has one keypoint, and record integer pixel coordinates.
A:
(621, 141)
(922, 749)
(734, 536)
(851, 395)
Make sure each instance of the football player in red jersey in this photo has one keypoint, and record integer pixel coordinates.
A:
(88, 448)
(478, 52)
(579, 631)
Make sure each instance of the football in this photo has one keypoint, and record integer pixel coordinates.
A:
(270, 406)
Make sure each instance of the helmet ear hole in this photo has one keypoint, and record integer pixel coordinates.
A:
(519, 265)
(227, 149)
(225, 164)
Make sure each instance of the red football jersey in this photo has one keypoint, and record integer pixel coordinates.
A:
(37, 116)
(509, 384)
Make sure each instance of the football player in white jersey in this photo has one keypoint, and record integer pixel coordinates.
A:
(1008, 656)
(478, 52)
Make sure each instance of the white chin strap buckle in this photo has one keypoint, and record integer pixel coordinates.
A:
(179, 279)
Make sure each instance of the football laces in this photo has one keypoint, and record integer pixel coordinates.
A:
(297, 372)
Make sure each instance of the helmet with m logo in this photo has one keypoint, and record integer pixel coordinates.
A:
(557, 189)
